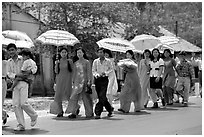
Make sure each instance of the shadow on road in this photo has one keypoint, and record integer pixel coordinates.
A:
(162, 109)
(180, 105)
(84, 118)
(132, 113)
(32, 131)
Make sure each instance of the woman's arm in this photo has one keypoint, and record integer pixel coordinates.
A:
(56, 66)
(89, 73)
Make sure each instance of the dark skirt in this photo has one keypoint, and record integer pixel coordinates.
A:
(155, 85)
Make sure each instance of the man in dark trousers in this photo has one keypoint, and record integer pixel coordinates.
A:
(101, 69)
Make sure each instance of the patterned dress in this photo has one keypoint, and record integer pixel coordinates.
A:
(131, 91)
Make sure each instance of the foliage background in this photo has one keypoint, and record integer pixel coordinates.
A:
(92, 21)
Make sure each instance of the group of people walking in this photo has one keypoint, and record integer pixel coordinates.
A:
(155, 77)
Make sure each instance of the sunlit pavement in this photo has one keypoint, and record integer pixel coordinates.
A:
(171, 120)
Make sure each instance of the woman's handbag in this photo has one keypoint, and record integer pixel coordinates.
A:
(88, 89)
(54, 108)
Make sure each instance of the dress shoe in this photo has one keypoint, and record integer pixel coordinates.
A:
(97, 117)
(185, 104)
(34, 121)
(90, 116)
(72, 116)
(19, 128)
(121, 110)
(155, 105)
(60, 114)
(163, 102)
(77, 112)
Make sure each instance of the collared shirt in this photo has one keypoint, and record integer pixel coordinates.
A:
(155, 66)
(104, 67)
(185, 69)
(4, 68)
(200, 64)
(194, 62)
(14, 67)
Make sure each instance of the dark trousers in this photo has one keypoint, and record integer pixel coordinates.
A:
(168, 94)
(101, 89)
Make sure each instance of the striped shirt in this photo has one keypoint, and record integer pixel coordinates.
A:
(185, 69)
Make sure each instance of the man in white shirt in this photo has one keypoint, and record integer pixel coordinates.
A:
(20, 92)
(101, 69)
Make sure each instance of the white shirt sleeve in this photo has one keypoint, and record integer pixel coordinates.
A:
(29, 65)
(161, 62)
(34, 67)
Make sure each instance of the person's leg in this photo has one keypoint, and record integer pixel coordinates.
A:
(15, 82)
(99, 106)
(110, 99)
(166, 95)
(153, 97)
(186, 90)
(145, 86)
(4, 91)
(170, 92)
(73, 105)
(88, 104)
(30, 89)
(101, 89)
(124, 103)
(17, 106)
(103, 93)
(180, 87)
(25, 105)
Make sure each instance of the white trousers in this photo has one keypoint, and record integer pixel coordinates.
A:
(4, 89)
(20, 98)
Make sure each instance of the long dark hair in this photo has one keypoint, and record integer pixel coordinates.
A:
(26, 52)
(3, 55)
(152, 56)
(108, 52)
(68, 64)
(146, 50)
(169, 51)
(75, 58)
(131, 53)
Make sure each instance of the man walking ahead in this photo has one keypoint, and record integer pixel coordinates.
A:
(20, 92)
(185, 75)
(101, 69)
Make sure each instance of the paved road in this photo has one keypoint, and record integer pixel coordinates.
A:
(163, 121)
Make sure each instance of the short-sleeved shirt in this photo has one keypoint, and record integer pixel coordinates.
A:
(98, 68)
(154, 66)
(29, 64)
(14, 67)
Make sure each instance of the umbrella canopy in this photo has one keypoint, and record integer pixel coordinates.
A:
(184, 45)
(57, 38)
(168, 40)
(162, 47)
(142, 42)
(20, 39)
(179, 44)
(117, 44)
(16, 35)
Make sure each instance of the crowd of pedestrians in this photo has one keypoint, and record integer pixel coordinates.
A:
(157, 77)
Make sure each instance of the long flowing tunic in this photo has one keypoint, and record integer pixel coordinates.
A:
(131, 91)
(63, 82)
(143, 71)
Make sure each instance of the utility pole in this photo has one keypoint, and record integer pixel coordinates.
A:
(39, 13)
(176, 29)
